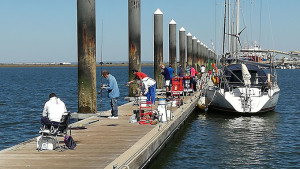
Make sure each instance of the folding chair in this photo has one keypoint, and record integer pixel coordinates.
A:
(48, 140)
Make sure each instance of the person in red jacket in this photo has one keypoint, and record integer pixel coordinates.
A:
(138, 75)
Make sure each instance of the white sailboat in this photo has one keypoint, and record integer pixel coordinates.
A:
(243, 86)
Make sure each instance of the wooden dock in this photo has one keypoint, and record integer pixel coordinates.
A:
(106, 143)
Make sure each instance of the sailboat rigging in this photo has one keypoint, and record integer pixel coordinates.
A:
(243, 87)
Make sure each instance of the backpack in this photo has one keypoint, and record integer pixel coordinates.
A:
(69, 142)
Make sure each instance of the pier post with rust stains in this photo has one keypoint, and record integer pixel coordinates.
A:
(182, 47)
(134, 42)
(201, 54)
(198, 55)
(189, 47)
(205, 55)
(194, 52)
(86, 36)
(158, 47)
(172, 45)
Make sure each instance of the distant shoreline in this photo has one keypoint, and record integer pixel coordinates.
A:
(67, 65)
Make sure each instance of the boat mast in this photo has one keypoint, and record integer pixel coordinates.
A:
(229, 28)
(237, 26)
(224, 32)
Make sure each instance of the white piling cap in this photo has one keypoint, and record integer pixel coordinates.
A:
(172, 22)
(194, 37)
(198, 41)
(158, 12)
(182, 29)
(189, 34)
(201, 44)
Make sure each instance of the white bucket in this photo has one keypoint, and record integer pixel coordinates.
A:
(168, 113)
(142, 101)
(162, 113)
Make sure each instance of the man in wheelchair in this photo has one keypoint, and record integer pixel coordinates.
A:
(55, 121)
(53, 111)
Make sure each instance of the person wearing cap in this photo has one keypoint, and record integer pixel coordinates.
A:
(113, 93)
(53, 110)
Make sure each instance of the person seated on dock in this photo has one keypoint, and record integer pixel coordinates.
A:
(53, 110)
(113, 93)
(149, 89)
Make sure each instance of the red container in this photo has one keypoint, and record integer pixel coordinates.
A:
(177, 84)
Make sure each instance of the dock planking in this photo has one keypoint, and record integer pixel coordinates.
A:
(98, 146)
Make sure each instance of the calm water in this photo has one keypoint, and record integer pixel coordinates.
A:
(271, 140)
(207, 140)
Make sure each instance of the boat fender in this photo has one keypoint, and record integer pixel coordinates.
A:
(215, 79)
(202, 104)
(269, 80)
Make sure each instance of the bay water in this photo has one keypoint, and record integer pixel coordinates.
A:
(207, 140)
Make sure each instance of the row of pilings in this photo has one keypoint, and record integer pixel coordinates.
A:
(192, 51)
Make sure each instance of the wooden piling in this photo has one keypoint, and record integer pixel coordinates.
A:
(158, 47)
(189, 47)
(134, 42)
(172, 45)
(201, 53)
(86, 36)
(194, 52)
(198, 55)
(205, 55)
(182, 47)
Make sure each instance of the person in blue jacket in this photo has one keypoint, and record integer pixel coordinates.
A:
(171, 71)
(113, 93)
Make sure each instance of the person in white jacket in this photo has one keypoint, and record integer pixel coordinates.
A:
(149, 88)
(53, 110)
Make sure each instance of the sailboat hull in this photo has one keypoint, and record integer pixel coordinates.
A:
(235, 101)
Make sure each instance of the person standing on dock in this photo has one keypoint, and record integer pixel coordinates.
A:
(171, 71)
(166, 74)
(53, 110)
(202, 70)
(181, 71)
(113, 93)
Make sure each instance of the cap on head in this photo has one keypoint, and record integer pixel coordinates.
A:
(104, 73)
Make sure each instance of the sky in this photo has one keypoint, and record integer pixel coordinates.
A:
(34, 31)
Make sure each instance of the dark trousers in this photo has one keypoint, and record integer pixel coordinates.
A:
(114, 107)
(45, 121)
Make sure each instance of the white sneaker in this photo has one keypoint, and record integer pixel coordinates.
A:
(113, 117)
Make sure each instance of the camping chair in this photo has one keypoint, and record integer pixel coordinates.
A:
(51, 131)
